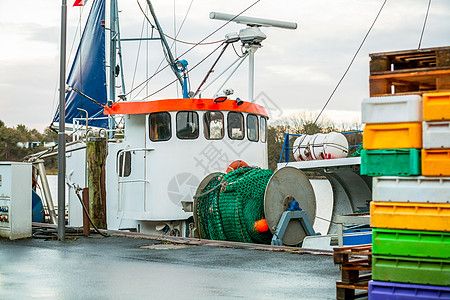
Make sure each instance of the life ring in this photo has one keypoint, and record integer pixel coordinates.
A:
(236, 165)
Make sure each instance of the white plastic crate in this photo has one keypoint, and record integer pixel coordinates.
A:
(392, 109)
(436, 135)
(419, 189)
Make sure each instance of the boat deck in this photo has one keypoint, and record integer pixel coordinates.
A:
(131, 268)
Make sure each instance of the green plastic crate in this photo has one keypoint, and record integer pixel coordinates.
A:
(427, 244)
(391, 162)
(411, 270)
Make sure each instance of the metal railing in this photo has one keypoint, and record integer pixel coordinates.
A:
(81, 129)
(285, 149)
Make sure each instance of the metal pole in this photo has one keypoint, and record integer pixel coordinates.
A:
(112, 62)
(62, 128)
(46, 189)
(170, 58)
(251, 73)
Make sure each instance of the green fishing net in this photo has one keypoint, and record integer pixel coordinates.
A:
(231, 203)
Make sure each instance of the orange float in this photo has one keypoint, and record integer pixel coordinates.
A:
(261, 225)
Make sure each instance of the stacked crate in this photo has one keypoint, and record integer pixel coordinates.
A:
(436, 134)
(407, 150)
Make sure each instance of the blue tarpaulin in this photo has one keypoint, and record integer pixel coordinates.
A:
(88, 73)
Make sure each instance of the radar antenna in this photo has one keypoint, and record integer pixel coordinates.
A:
(251, 38)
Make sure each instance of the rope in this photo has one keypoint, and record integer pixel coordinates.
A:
(190, 49)
(351, 62)
(424, 23)
(86, 96)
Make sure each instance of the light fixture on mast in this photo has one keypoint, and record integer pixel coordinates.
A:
(251, 38)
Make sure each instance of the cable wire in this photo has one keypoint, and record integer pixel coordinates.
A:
(190, 49)
(174, 38)
(351, 62)
(424, 23)
(173, 81)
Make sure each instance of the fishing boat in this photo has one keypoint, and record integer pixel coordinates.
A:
(158, 150)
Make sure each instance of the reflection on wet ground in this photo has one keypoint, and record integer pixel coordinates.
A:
(119, 268)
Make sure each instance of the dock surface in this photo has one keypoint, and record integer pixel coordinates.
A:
(127, 268)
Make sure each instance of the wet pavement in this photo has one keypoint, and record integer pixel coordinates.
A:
(119, 268)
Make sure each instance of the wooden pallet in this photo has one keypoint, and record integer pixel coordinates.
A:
(413, 71)
(356, 266)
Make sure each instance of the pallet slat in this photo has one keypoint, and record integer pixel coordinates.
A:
(356, 264)
(409, 71)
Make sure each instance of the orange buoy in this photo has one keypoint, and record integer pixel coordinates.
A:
(261, 225)
(236, 165)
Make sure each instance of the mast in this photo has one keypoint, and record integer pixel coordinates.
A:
(165, 44)
(62, 125)
(112, 61)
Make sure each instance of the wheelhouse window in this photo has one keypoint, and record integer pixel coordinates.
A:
(160, 128)
(235, 125)
(252, 128)
(123, 163)
(263, 129)
(213, 125)
(187, 125)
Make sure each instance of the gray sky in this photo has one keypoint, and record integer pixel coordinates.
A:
(296, 69)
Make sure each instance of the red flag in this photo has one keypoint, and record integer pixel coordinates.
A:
(79, 3)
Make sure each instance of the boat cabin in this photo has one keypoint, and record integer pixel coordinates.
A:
(169, 146)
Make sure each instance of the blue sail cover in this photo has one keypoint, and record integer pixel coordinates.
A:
(88, 73)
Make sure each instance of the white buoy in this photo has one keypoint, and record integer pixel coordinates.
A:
(320, 146)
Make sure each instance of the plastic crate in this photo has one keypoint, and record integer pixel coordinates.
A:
(436, 135)
(381, 290)
(411, 270)
(436, 106)
(436, 162)
(410, 216)
(419, 189)
(429, 244)
(390, 162)
(393, 136)
(392, 109)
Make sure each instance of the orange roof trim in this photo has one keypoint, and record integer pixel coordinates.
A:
(146, 107)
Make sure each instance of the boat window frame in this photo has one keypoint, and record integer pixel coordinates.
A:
(119, 164)
(198, 125)
(150, 129)
(228, 125)
(257, 128)
(261, 118)
(207, 128)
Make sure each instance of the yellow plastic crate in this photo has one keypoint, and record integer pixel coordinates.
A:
(436, 162)
(436, 106)
(393, 136)
(410, 216)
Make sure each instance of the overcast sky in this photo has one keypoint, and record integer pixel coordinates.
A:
(296, 69)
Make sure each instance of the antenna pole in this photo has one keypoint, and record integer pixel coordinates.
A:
(62, 128)
(251, 72)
